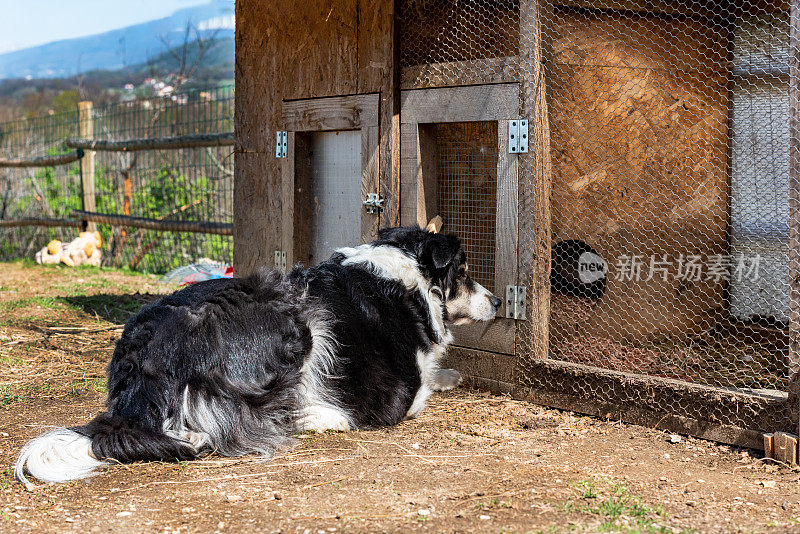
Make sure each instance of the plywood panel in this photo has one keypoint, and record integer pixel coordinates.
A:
(636, 41)
(289, 51)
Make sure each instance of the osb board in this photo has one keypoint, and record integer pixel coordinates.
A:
(637, 41)
(639, 134)
(289, 51)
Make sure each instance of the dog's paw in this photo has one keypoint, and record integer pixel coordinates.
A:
(322, 418)
(446, 379)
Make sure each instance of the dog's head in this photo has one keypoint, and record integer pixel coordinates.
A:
(443, 263)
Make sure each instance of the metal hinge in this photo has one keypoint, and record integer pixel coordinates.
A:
(281, 143)
(517, 136)
(516, 303)
(280, 261)
(374, 203)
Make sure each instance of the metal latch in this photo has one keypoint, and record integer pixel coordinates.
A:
(280, 261)
(516, 303)
(517, 136)
(374, 203)
(281, 143)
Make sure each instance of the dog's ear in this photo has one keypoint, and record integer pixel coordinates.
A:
(434, 225)
(440, 250)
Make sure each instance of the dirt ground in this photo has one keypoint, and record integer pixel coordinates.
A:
(470, 463)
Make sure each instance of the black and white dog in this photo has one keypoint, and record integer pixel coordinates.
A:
(238, 366)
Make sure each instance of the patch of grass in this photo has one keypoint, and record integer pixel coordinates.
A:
(492, 504)
(113, 308)
(79, 269)
(98, 384)
(618, 508)
(30, 302)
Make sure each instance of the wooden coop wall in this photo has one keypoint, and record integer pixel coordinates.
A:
(294, 50)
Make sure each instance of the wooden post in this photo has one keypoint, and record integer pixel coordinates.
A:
(86, 131)
(535, 170)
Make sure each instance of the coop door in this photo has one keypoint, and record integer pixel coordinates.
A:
(462, 171)
(335, 193)
(330, 170)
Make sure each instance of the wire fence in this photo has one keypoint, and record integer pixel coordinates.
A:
(183, 184)
(667, 129)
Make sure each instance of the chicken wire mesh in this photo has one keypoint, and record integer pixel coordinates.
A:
(33, 192)
(467, 179)
(668, 134)
(175, 185)
(172, 185)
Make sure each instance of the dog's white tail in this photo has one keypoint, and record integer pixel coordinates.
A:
(58, 456)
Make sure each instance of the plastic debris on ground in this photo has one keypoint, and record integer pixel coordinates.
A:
(198, 272)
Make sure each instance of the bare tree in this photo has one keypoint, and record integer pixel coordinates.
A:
(192, 38)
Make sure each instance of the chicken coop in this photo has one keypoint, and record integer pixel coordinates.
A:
(623, 173)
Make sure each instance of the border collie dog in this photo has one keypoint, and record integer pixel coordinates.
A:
(238, 366)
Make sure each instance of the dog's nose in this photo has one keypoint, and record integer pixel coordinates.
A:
(496, 302)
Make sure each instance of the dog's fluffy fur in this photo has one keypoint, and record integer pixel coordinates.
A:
(238, 366)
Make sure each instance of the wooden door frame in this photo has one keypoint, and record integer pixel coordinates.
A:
(419, 110)
(309, 115)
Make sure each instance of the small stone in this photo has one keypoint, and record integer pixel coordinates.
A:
(423, 512)
(484, 517)
(277, 496)
(767, 483)
(674, 438)
(691, 503)
(233, 498)
(123, 514)
(415, 446)
(69, 520)
(662, 479)
(666, 456)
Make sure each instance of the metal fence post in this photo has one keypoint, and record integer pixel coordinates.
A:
(86, 131)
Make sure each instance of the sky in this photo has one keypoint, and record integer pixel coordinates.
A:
(26, 23)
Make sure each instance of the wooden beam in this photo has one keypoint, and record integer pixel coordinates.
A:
(535, 176)
(43, 161)
(719, 414)
(370, 179)
(452, 73)
(390, 131)
(794, 211)
(200, 227)
(427, 191)
(33, 221)
(460, 104)
(288, 200)
(333, 113)
(155, 143)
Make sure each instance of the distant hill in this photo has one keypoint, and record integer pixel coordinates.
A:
(118, 49)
